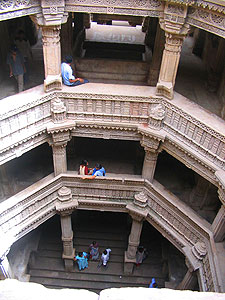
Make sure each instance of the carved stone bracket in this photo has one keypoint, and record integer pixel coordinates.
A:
(52, 13)
(173, 19)
(150, 143)
(191, 261)
(136, 212)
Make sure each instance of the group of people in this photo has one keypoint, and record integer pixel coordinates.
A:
(82, 258)
(98, 170)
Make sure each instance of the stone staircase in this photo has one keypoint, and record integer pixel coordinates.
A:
(113, 62)
(48, 268)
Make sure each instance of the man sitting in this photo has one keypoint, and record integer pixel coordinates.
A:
(67, 73)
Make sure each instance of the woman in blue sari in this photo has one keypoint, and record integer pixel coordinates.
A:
(81, 260)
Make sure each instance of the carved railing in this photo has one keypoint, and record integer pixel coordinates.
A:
(24, 127)
(28, 209)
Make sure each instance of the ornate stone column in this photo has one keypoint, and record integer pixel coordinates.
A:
(151, 140)
(156, 56)
(60, 131)
(199, 193)
(52, 57)
(173, 22)
(189, 281)
(218, 225)
(50, 18)
(133, 243)
(138, 213)
(169, 65)
(149, 165)
(65, 207)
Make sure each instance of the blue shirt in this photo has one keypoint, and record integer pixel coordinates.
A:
(67, 73)
(100, 172)
(17, 65)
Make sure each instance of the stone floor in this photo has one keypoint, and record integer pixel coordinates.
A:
(190, 80)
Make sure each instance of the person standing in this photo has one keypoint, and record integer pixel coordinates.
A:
(23, 46)
(81, 260)
(94, 253)
(16, 66)
(105, 257)
(67, 73)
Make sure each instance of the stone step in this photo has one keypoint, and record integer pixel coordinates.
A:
(112, 69)
(114, 267)
(95, 277)
(113, 46)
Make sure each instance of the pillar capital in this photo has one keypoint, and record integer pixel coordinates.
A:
(173, 19)
(52, 13)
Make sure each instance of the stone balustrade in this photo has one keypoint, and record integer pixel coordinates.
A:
(178, 223)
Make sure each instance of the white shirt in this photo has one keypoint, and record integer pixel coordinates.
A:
(105, 257)
(67, 73)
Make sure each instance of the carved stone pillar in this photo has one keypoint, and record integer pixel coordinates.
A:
(199, 193)
(189, 281)
(173, 21)
(156, 57)
(149, 165)
(65, 197)
(169, 65)
(66, 37)
(133, 243)
(60, 135)
(218, 225)
(52, 57)
(59, 158)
